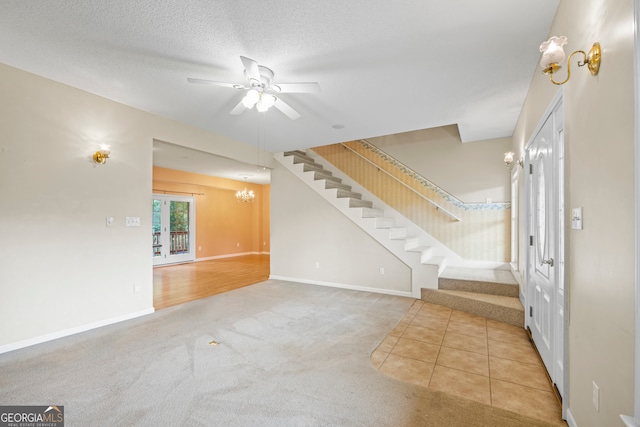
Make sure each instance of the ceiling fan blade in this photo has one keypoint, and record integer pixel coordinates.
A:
(212, 82)
(307, 87)
(251, 68)
(238, 109)
(286, 109)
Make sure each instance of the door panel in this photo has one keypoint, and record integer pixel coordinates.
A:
(542, 252)
(545, 259)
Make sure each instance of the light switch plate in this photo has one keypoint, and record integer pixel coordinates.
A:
(576, 218)
(132, 221)
(109, 221)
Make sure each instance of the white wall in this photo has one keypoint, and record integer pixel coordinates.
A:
(599, 162)
(61, 268)
(305, 229)
(472, 171)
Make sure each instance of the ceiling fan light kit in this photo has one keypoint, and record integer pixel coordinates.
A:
(260, 91)
(262, 101)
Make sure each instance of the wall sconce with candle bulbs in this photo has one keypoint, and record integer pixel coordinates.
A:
(553, 55)
(508, 159)
(101, 156)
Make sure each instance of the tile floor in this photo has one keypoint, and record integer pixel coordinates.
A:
(468, 356)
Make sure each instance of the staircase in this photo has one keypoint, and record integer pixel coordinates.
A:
(493, 294)
(439, 275)
(426, 256)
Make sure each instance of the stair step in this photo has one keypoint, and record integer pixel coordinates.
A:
(329, 184)
(398, 233)
(413, 244)
(313, 167)
(493, 282)
(304, 159)
(501, 308)
(357, 203)
(295, 153)
(326, 175)
(372, 213)
(346, 193)
(382, 222)
(480, 274)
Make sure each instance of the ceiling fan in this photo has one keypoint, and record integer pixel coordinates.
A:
(261, 91)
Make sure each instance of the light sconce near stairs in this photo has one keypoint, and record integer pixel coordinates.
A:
(508, 159)
(553, 55)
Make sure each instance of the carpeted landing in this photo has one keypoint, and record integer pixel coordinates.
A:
(271, 354)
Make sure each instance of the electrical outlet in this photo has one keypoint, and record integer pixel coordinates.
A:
(110, 221)
(596, 396)
(382, 271)
(318, 265)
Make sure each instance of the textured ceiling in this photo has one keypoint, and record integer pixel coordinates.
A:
(384, 67)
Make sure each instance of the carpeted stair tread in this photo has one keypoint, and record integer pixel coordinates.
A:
(497, 307)
(501, 300)
(483, 281)
(479, 275)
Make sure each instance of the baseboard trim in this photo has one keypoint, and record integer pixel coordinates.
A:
(344, 286)
(72, 331)
(570, 420)
(209, 258)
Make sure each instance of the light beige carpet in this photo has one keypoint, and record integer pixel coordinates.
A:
(288, 355)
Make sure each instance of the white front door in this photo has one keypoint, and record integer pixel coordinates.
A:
(545, 260)
(173, 229)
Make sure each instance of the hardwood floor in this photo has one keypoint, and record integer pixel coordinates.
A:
(177, 284)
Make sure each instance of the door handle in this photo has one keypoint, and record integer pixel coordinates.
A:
(547, 261)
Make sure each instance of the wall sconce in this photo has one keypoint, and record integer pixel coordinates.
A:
(553, 55)
(508, 159)
(101, 156)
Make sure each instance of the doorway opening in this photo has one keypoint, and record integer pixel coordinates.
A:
(173, 229)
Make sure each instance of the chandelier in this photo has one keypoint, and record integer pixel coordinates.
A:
(244, 195)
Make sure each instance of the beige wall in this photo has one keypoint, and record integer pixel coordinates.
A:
(61, 269)
(305, 229)
(599, 176)
(481, 234)
(473, 172)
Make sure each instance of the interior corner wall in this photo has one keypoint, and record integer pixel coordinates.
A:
(224, 227)
(472, 172)
(599, 153)
(265, 225)
(312, 242)
(62, 270)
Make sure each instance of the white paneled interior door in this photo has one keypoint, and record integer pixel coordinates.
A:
(545, 259)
